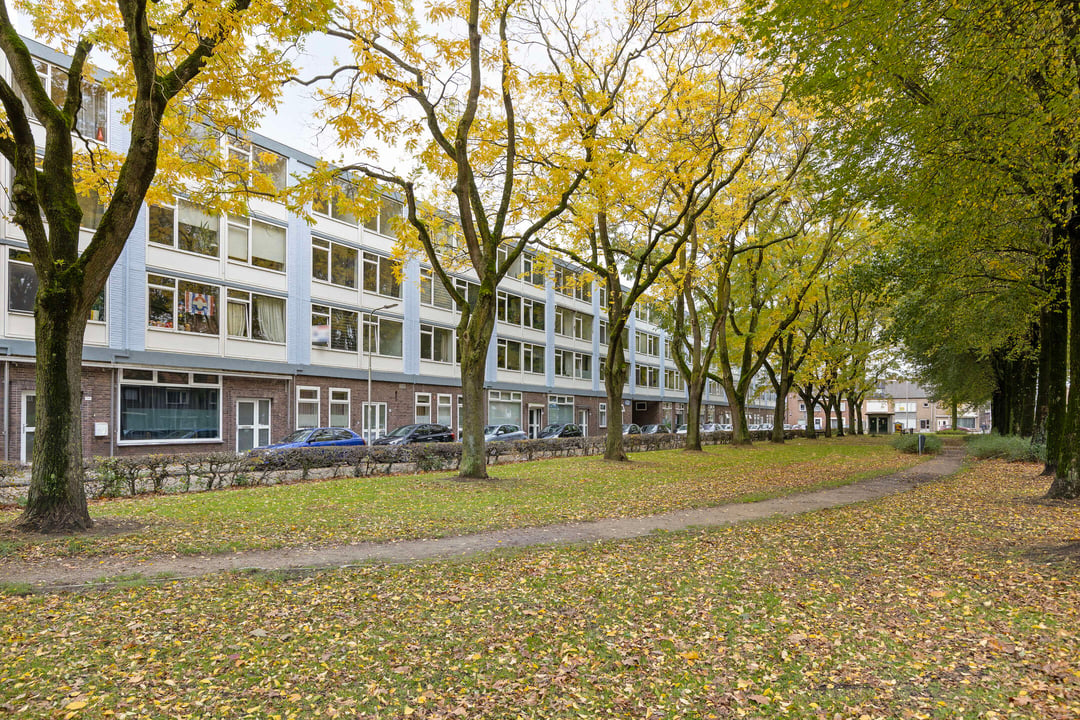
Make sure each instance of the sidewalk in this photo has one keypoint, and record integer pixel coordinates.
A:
(78, 572)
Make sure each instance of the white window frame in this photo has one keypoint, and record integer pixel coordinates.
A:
(444, 402)
(247, 225)
(317, 400)
(340, 397)
(373, 420)
(601, 415)
(421, 400)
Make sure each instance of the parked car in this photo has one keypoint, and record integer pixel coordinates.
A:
(765, 426)
(754, 427)
(500, 433)
(631, 429)
(417, 433)
(681, 430)
(313, 438)
(655, 429)
(561, 430)
(725, 427)
(710, 427)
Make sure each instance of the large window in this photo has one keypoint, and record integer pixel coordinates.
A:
(334, 328)
(22, 282)
(515, 355)
(572, 284)
(256, 243)
(333, 262)
(381, 275)
(169, 406)
(185, 227)
(337, 202)
(504, 407)
(648, 344)
(92, 122)
(516, 310)
(382, 336)
(182, 305)
(245, 157)
(648, 376)
(387, 220)
(23, 286)
(436, 344)
(530, 270)
(570, 364)
(571, 323)
(673, 380)
(256, 317)
(444, 410)
(432, 291)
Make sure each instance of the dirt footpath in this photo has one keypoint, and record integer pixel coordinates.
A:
(77, 572)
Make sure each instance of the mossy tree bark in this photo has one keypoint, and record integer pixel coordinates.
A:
(47, 210)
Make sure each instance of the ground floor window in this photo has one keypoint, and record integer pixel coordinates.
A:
(560, 409)
(601, 415)
(444, 410)
(504, 407)
(340, 402)
(174, 408)
(307, 407)
(423, 408)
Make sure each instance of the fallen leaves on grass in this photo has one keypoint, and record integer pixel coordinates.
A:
(921, 605)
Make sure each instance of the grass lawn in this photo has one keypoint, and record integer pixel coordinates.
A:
(432, 505)
(934, 603)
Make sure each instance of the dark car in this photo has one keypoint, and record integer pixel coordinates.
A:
(561, 430)
(655, 429)
(417, 433)
(504, 432)
(314, 438)
(631, 429)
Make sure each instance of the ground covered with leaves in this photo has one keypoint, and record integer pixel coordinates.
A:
(957, 599)
(432, 505)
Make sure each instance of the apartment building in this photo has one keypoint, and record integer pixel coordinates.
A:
(224, 332)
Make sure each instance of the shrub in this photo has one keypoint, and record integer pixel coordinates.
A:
(910, 443)
(1010, 447)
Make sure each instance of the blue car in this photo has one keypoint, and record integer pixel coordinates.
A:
(315, 438)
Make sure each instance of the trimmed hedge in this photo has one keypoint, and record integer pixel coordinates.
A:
(136, 474)
(1010, 447)
(910, 443)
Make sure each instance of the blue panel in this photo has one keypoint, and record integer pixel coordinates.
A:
(596, 313)
(132, 316)
(549, 331)
(491, 367)
(299, 302)
(631, 351)
(410, 295)
(663, 361)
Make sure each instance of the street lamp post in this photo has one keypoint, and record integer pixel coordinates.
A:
(368, 343)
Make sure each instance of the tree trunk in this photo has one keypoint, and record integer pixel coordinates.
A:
(826, 406)
(955, 408)
(839, 417)
(811, 412)
(696, 388)
(1053, 357)
(56, 501)
(617, 370)
(740, 435)
(857, 406)
(474, 347)
(780, 411)
(1066, 483)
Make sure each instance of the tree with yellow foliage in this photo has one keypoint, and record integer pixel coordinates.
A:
(214, 60)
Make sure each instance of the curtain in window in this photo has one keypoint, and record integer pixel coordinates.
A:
(268, 246)
(238, 319)
(270, 316)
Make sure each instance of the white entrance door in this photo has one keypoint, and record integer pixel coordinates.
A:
(373, 426)
(252, 423)
(536, 421)
(583, 421)
(29, 421)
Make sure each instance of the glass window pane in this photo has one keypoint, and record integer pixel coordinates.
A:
(268, 321)
(389, 338)
(343, 265)
(343, 333)
(152, 413)
(197, 230)
(238, 243)
(160, 228)
(197, 308)
(22, 287)
(268, 247)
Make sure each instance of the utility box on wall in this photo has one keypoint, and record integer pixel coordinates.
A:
(101, 429)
